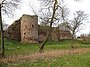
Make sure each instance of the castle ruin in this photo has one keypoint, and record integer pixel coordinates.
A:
(26, 29)
(29, 29)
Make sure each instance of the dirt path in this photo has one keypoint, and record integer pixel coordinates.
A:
(46, 54)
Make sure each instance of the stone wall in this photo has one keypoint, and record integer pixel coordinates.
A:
(42, 31)
(13, 31)
(65, 35)
(29, 29)
(56, 34)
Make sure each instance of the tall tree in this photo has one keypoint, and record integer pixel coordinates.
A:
(55, 11)
(6, 7)
(51, 12)
(51, 22)
(2, 34)
(74, 24)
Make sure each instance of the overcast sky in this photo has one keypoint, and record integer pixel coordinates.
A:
(71, 4)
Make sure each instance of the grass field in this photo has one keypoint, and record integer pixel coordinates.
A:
(14, 47)
(77, 58)
(82, 60)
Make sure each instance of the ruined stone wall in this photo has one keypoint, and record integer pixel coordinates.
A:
(56, 34)
(29, 29)
(42, 31)
(65, 35)
(13, 31)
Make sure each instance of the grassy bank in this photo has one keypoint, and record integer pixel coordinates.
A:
(15, 47)
(71, 60)
(81, 60)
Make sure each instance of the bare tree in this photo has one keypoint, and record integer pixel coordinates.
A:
(6, 7)
(51, 12)
(76, 22)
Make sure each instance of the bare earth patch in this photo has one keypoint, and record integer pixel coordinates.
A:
(44, 55)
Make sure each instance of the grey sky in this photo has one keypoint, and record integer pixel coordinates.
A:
(71, 4)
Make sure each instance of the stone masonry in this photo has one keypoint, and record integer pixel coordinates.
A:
(13, 31)
(29, 29)
(26, 29)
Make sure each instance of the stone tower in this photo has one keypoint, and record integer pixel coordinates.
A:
(29, 28)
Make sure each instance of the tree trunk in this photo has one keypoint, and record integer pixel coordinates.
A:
(50, 29)
(44, 42)
(72, 41)
(2, 33)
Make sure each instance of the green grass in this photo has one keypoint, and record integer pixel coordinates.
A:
(82, 60)
(14, 47)
(66, 44)
(17, 48)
